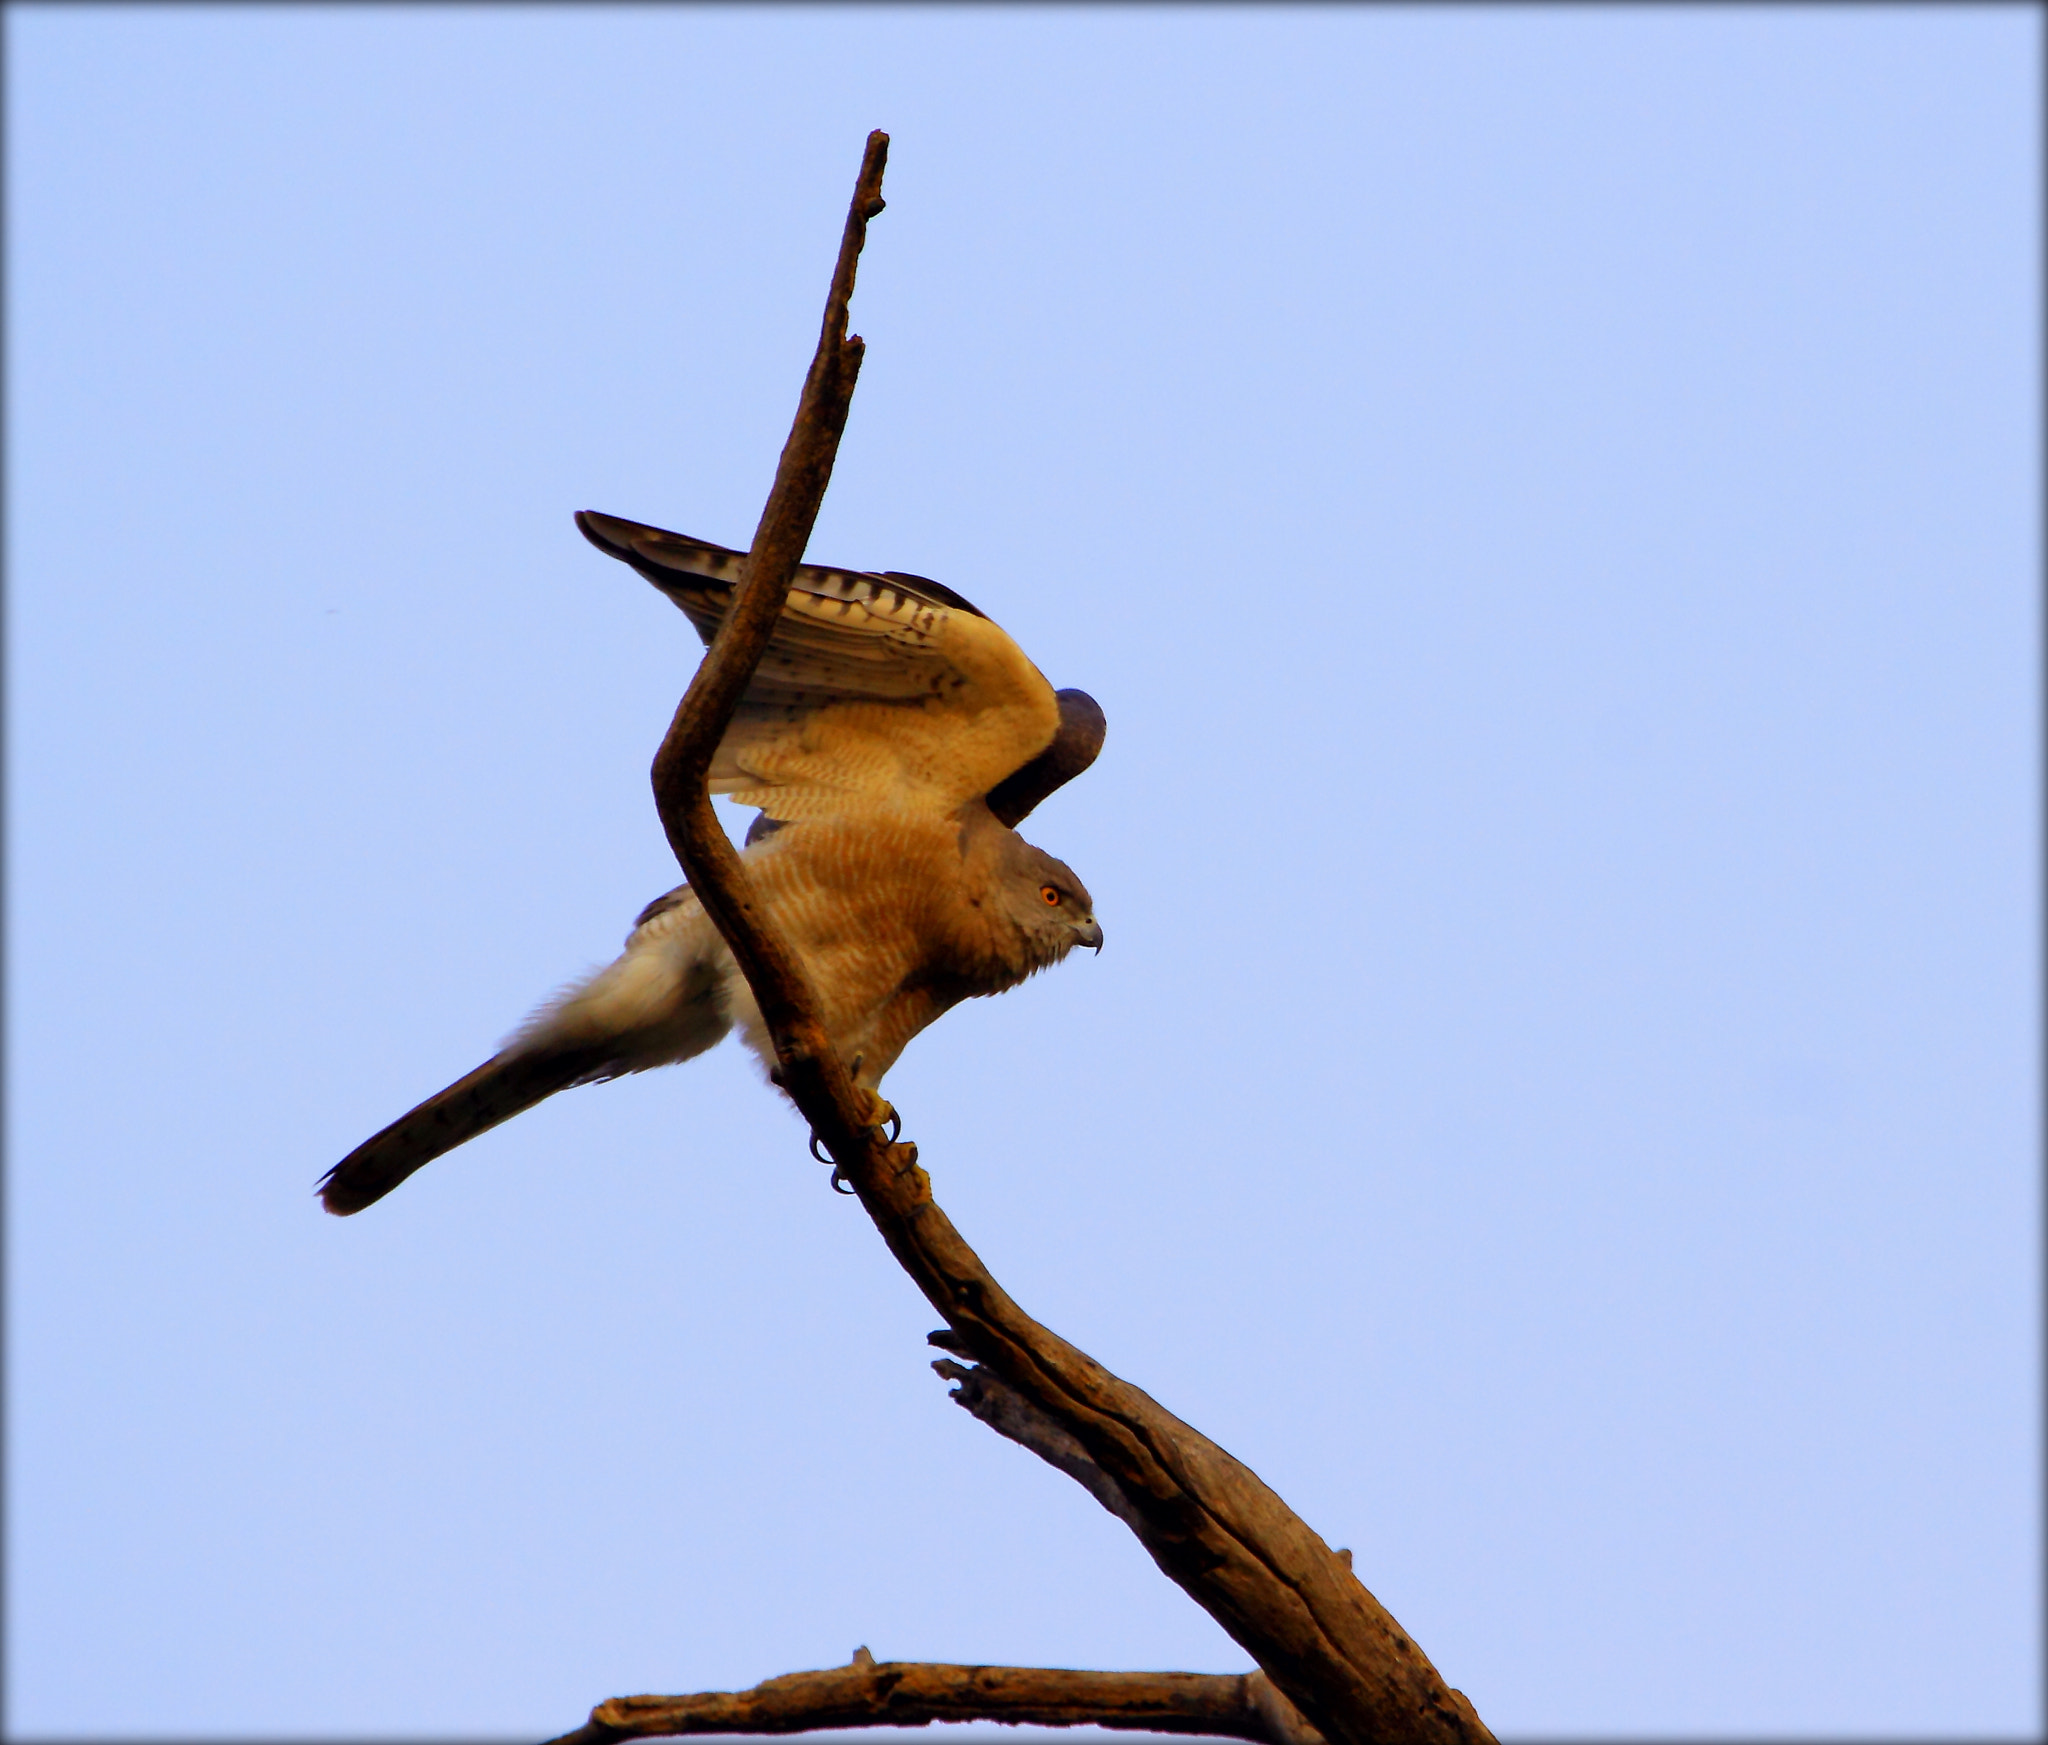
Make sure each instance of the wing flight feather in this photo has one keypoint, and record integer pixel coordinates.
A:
(880, 691)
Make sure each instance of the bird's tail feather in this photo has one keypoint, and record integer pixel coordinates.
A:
(662, 1001)
(502, 1087)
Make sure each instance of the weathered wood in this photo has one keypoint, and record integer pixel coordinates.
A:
(914, 1694)
(985, 1396)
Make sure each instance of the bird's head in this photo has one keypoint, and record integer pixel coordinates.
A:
(1050, 906)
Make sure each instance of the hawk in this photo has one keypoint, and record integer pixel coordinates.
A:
(893, 738)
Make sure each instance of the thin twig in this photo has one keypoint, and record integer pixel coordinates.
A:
(1208, 1521)
(1231, 1705)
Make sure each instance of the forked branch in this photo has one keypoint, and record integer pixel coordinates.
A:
(1208, 1521)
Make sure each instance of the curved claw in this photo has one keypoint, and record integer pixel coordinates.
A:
(891, 1118)
(838, 1175)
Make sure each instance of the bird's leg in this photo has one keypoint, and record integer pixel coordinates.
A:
(879, 1112)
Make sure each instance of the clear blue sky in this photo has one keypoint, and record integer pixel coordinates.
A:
(1548, 500)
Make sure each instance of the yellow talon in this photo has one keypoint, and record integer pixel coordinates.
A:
(881, 1115)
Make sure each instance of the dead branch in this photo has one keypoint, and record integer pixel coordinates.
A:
(1208, 1521)
(682, 764)
(896, 1693)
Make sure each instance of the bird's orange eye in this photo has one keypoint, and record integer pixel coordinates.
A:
(1050, 894)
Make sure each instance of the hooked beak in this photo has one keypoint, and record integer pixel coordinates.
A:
(1091, 934)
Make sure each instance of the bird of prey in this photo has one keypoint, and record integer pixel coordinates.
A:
(893, 737)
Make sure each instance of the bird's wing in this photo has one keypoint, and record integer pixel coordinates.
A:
(879, 691)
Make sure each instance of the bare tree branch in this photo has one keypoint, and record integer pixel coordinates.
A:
(1231, 1705)
(681, 766)
(1208, 1521)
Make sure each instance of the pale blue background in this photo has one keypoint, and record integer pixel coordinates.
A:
(1548, 502)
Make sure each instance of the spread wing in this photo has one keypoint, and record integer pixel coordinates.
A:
(879, 691)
